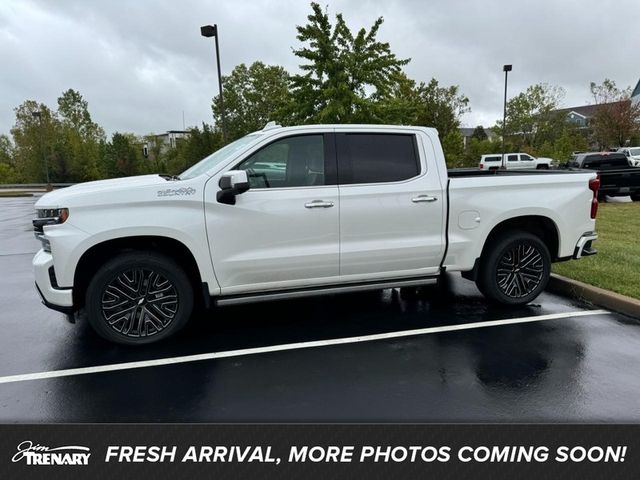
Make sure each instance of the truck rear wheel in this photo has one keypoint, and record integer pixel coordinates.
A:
(139, 298)
(515, 270)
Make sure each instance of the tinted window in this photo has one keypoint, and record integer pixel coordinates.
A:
(492, 159)
(526, 158)
(376, 157)
(512, 158)
(290, 162)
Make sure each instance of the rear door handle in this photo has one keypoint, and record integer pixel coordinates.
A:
(318, 204)
(424, 198)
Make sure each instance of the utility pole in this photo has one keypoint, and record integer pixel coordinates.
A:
(212, 31)
(506, 69)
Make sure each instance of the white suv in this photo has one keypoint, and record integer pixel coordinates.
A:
(632, 154)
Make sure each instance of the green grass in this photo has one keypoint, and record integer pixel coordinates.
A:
(617, 265)
(15, 194)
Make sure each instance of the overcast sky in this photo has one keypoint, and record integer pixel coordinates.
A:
(141, 64)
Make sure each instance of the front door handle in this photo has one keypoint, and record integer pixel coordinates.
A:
(424, 198)
(318, 204)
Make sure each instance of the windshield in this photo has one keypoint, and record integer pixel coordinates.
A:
(218, 156)
(635, 152)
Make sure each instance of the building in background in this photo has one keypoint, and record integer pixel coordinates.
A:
(467, 134)
(165, 141)
(581, 116)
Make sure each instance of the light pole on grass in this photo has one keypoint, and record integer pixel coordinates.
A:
(212, 31)
(506, 69)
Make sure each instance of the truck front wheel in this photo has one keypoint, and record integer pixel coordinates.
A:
(139, 298)
(514, 270)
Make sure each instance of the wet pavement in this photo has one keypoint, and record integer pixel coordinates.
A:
(576, 369)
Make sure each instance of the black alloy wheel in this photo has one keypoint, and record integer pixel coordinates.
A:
(138, 298)
(139, 303)
(514, 269)
(520, 270)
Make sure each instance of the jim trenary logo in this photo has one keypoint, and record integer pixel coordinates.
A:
(41, 455)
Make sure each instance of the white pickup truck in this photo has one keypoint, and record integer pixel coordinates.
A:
(514, 161)
(287, 212)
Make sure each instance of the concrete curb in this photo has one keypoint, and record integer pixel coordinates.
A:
(595, 295)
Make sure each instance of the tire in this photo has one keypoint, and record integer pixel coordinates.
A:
(502, 277)
(122, 308)
(635, 197)
(543, 166)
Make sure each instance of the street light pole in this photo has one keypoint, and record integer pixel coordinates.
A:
(212, 31)
(38, 115)
(506, 69)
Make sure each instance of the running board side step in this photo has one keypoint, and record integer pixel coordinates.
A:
(314, 291)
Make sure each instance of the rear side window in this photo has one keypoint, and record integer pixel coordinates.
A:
(512, 158)
(376, 157)
(492, 159)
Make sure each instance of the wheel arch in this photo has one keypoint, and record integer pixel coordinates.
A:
(542, 227)
(97, 254)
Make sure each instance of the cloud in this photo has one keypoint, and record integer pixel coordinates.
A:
(141, 64)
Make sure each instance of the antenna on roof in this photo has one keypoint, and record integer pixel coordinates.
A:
(271, 126)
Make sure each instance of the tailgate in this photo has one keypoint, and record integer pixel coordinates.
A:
(620, 181)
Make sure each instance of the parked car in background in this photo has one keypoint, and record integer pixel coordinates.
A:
(514, 161)
(632, 154)
(617, 177)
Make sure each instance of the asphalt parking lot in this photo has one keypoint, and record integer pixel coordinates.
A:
(344, 358)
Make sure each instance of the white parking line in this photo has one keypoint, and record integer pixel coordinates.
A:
(291, 346)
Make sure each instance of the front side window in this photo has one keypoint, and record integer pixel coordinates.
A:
(526, 158)
(512, 158)
(376, 157)
(290, 162)
(219, 156)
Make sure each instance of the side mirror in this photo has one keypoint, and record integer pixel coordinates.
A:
(232, 183)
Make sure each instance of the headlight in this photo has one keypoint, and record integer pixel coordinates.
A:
(48, 216)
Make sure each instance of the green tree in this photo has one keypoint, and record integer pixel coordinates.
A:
(453, 147)
(199, 144)
(479, 133)
(122, 156)
(8, 173)
(36, 134)
(441, 107)
(80, 138)
(343, 74)
(253, 96)
(476, 148)
(531, 116)
(426, 104)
